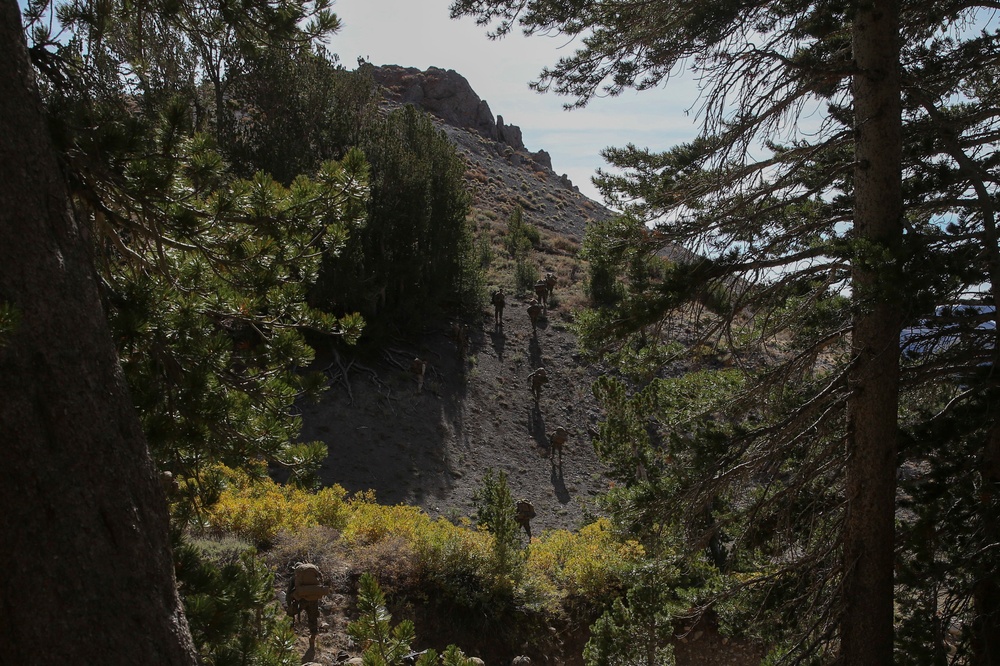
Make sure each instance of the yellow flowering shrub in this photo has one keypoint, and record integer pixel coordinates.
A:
(258, 509)
(588, 563)
(405, 547)
(386, 539)
(369, 522)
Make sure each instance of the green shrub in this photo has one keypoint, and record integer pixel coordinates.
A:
(230, 607)
(637, 631)
(521, 236)
(385, 645)
(484, 252)
(496, 511)
(525, 276)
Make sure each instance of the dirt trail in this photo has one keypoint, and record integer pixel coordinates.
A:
(431, 448)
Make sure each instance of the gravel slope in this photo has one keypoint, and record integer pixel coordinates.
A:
(431, 448)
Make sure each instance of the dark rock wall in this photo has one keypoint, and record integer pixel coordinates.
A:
(448, 95)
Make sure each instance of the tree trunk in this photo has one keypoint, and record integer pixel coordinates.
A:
(986, 590)
(867, 621)
(84, 550)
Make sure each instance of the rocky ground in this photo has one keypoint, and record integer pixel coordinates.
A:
(475, 412)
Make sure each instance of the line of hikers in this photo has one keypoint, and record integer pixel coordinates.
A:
(540, 304)
(536, 379)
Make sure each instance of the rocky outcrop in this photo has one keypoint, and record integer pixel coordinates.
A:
(448, 95)
(509, 134)
(543, 158)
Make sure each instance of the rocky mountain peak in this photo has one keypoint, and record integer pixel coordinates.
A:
(449, 96)
(501, 173)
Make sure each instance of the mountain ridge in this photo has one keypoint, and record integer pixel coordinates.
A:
(502, 172)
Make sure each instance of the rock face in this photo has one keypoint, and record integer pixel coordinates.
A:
(448, 95)
(501, 173)
(509, 134)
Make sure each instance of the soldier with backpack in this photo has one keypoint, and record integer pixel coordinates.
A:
(550, 282)
(525, 512)
(557, 439)
(304, 592)
(498, 299)
(534, 311)
(542, 293)
(419, 369)
(538, 378)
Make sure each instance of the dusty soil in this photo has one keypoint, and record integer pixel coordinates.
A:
(431, 447)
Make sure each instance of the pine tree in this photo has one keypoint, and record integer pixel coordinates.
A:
(497, 512)
(758, 244)
(231, 609)
(204, 275)
(414, 258)
(635, 631)
(81, 499)
(299, 108)
(383, 644)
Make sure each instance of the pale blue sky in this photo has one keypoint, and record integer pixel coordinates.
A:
(418, 33)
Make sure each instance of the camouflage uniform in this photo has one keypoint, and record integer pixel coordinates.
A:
(538, 379)
(499, 300)
(534, 310)
(542, 292)
(556, 441)
(419, 369)
(310, 606)
(525, 512)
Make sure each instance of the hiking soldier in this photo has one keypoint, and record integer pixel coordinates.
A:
(538, 379)
(534, 310)
(542, 292)
(498, 299)
(557, 439)
(419, 369)
(460, 332)
(550, 282)
(304, 592)
(525, 512)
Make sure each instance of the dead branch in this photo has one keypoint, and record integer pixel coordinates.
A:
(384, 388)
(343, 376)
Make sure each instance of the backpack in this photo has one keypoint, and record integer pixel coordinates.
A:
(525, 510)
(498, 298)
(309, 583)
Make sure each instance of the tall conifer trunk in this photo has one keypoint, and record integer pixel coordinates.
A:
(986, 589)
(867, 622)
(87, 574)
